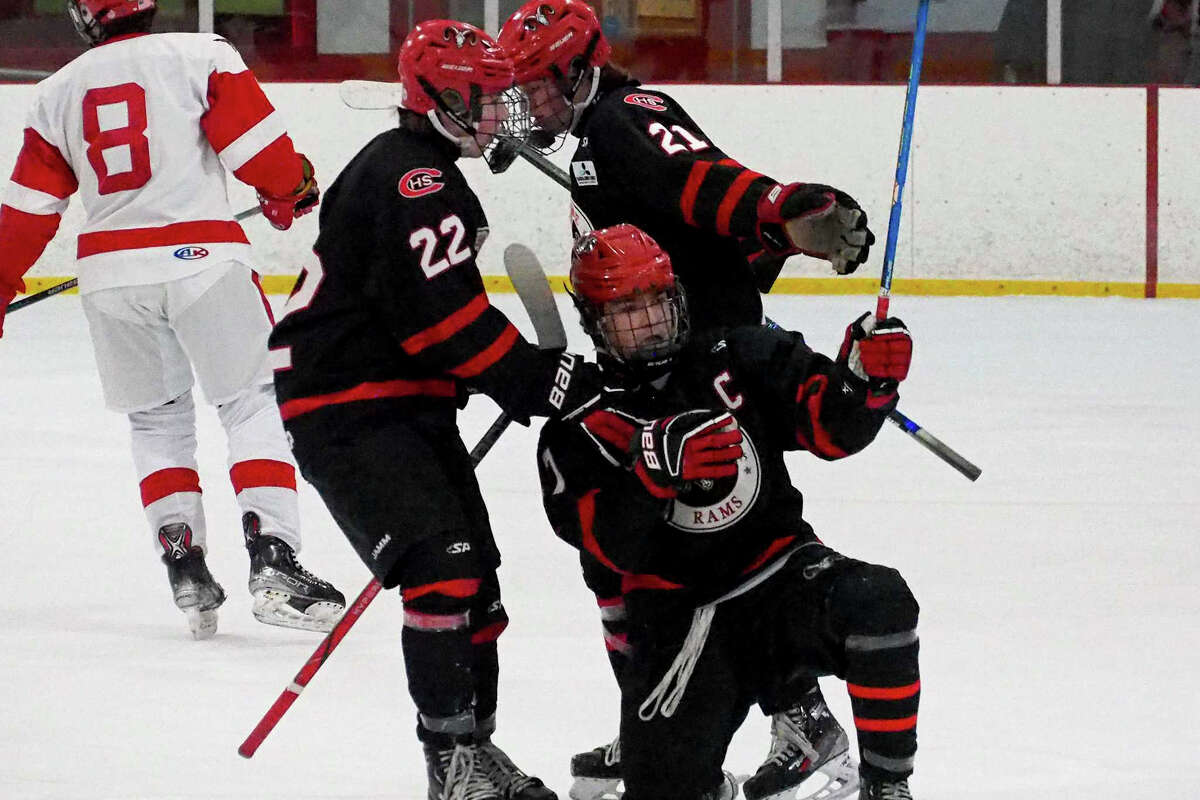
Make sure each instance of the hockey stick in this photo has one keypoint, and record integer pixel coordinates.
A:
(906, 129)
(59, 288)
(527, 276)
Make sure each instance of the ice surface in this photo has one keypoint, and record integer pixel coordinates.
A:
(1060, 620)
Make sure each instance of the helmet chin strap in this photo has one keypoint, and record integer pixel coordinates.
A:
(468, 147)
(577, 109)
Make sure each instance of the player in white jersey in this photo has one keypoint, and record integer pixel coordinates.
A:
(143, 127)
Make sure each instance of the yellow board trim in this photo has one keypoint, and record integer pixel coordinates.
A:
(931, 287)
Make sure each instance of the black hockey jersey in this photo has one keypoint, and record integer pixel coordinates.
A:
(642, 160)
(713, 536)
(394, 315)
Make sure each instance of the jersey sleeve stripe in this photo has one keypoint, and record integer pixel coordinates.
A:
(23, 237)
(202, 232)
(733, 196)
(822, 445)
(587, 524)
(489, 356)
(32, 201)
(40, 166)
(236, 104)
(447, 327)
(687, 201)
(252, 142)
(370, 390)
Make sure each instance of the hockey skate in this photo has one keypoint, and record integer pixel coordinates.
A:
(459, 772)
(196, 593)
(285, 593)
(885, 790)
(596, 774)
(508, 777)
(809, 759)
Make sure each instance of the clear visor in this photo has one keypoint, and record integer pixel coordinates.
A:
(644, 327)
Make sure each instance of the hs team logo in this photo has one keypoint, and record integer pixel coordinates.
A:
(420, 182)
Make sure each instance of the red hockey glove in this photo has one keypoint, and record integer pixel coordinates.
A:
(8, 290)
(280, 211)
(879, 353)
(689, 446)
(815, 220)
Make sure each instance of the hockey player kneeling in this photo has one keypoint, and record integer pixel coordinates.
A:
(675, 478)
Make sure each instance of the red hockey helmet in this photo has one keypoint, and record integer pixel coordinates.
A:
(456, 70)
(555, 45)
(544, 37)
(441, 55)
(93, 17)
(627, 294)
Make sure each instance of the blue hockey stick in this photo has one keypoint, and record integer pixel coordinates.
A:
(910, 109)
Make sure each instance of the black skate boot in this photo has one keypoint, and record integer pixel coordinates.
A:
(196, 593)
(805, 741)
(596, 774)
(459, 772)
(884, 789)
(508, 777)
(285, 593)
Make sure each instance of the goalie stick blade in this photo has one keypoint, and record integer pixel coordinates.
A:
(369, 95)
(528, 278)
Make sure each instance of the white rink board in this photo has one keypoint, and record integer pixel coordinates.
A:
(1023, 183)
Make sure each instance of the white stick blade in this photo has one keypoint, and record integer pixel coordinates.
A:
(370, 95)
(529, 279)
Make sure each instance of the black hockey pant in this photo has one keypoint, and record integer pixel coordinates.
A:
(821, 614)
(406, 497)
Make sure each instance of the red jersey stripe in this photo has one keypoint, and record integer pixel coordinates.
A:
(165, 482)
(771, 550)
(885, 725)
(236, 104)
(632, 583)
(587, 521)
(202, 232)
(456, 587)
(489, 633)
(447, 327)
(42, 167)
(733, 196)
(883, 692)
(274, 170)
(687, 202)
(490, 355)
(822, 443)
(23, 237)
(258, 472)
(371, 390)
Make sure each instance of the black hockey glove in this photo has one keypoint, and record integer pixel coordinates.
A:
(877, 353)
(689, 446)
(815, 220)
(576, 385)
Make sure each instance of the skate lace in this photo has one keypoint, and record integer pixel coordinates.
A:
(506, 775)
(462, 781)
(895, 791)
(612, 752)
(289, 558)
(788, 737)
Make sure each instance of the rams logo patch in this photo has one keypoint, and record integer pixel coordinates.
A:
(707, 506)
(420, 182)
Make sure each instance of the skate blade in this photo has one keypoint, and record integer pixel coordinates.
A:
(271, 607)
(202, 623)
(596, 789)
(836, 779)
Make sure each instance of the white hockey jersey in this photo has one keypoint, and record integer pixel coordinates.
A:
(144, 127)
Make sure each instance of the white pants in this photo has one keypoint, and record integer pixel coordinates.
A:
(148, 339)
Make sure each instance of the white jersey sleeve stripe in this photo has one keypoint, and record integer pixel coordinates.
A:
(31, 201)
(252, 142)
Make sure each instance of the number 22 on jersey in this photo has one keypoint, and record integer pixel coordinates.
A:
(101, 109)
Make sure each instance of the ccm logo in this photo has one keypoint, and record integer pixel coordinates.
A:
(562, 380)
(191, 253)
(650, 101)
(420, 181)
